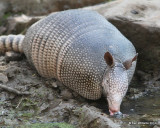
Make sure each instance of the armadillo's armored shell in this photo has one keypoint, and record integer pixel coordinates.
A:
(70, 46)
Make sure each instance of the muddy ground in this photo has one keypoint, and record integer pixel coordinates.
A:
(36, 100)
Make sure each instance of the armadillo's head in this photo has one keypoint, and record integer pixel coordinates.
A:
(115, 81)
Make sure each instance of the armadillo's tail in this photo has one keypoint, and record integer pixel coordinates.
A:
(11, 43)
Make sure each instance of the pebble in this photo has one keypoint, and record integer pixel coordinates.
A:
(134, 12)
(3, 78)
(66, 95)
(54, 84)
(13, 56)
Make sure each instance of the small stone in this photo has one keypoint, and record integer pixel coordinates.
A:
(4, 112)
(136, 96)
(66, 95)
(118, 115)
(1, 120)
(134, 12)
(134, 90)
(10, 122)
(34, 121)
(43, 107)
(13, 56)
(132, 110)
(11, 96)
(59, 84)
(50, 96)
(3, 78)
(2, 58)
(156, 84)
(54, 84)
(12, 71)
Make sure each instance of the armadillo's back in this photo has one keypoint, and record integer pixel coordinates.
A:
(70, 46)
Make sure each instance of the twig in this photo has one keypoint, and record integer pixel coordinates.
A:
(12, 90)
(19, 102)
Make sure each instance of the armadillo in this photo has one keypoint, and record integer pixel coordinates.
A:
(82, 50)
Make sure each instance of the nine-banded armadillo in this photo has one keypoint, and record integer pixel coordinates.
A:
(82, 50)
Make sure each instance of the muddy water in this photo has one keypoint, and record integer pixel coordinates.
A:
(149, 104)
(142, 112)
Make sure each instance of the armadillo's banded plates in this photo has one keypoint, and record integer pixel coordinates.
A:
(70, 46)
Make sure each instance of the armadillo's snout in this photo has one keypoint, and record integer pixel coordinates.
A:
(114, 106)
(113, 111)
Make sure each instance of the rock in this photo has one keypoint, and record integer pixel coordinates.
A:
(13, 56)
(138, 95)
(91, 117)
(41, 7)
(19, 24)
(85, 116)
(139, 21)
(12, 71)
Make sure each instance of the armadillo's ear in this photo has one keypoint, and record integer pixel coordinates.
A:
(109, 59)
(128, 63)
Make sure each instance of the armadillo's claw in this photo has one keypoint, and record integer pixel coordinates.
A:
(118, 115)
